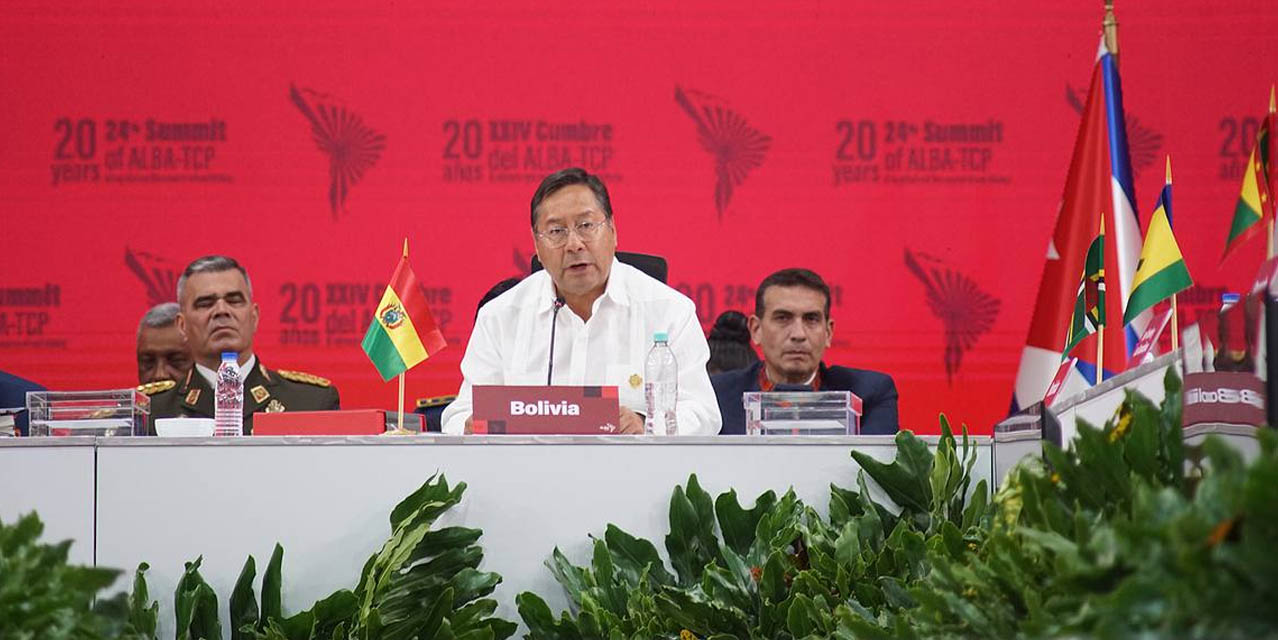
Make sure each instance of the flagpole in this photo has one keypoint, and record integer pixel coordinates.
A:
(1100, 353)
(1111, 29)
(1175, 326)
(399, 426)
(1175, 312)
(1272, 109)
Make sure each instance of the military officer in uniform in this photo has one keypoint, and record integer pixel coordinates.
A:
(217, 314)
(162, 351)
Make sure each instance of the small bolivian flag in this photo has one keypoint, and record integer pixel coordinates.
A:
(1161, 271)
(402, 333)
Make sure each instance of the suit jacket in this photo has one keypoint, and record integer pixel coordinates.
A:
(13, 393)
(264, 390)
(876, 390)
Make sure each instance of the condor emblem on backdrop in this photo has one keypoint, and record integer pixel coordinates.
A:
(737, 147)
(352, 146)
(158, 275)
(965, 311)
(1143, 142)
(392, 315)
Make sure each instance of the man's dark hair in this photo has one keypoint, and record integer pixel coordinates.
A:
(794, 277)
(566, 178)
(498, 289)
(212, 264)
(729, 342)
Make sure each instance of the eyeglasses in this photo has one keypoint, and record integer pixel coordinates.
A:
(556, 237)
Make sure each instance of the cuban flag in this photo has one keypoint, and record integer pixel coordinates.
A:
(1099, 183)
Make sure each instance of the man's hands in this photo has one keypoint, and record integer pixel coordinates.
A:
(631, 422)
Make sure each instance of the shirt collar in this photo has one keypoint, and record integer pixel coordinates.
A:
(766, 383)
(210, 376)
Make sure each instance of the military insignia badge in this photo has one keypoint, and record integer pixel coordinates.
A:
(275, 406)
(193, 396)
(635, 381)
(392, 315)
(260, 394)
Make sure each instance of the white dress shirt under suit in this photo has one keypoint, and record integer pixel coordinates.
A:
(511, 345)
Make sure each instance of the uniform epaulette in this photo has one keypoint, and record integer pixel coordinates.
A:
(302, 376)
(437, 401)
(152, 388)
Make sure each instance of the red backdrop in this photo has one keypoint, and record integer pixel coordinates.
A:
(736, 139)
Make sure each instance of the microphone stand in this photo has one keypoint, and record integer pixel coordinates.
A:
(554, 320)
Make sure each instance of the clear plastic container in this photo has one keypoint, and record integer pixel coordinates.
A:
(110, 412)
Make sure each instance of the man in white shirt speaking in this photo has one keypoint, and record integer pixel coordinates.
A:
(603, 314)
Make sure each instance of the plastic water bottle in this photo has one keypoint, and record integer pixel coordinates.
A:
(228, 402)
(661, 387)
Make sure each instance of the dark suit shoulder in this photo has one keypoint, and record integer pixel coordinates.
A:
(877, 391)
(728, 387)
(866, 379)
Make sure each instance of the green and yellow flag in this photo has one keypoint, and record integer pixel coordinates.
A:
(1089, 307)
(403, 333)
(1255, 200)
(1161, 272)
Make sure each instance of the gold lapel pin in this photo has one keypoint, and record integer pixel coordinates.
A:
(260, 394)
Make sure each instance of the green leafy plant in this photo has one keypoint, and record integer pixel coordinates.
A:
(423, 583)
(44, 597)
(1119, 537)
(1129, 533)
(776, 570)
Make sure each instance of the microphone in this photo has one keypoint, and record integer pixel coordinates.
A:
(554, 320)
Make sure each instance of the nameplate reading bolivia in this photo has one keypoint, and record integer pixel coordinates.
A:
(545, 410)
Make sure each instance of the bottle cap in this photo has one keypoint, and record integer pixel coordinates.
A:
(1226, 298)
(660, 336)
(229, 355)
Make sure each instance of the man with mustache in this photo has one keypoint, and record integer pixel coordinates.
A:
(792, 325)
(217, 314)
(604, 313)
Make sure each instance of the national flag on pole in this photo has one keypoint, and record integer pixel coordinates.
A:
(1089, 305)
(1161, 271)
(1255, 201)
(402, 333)
(1099, 181)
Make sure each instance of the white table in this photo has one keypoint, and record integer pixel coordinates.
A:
(327, 500)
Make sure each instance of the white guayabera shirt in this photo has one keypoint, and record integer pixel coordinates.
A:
(511, 345)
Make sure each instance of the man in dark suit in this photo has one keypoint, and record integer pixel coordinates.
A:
(792, 326)
(217, 314)
(13, 394)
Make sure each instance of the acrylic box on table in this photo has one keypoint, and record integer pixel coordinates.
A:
(810, 413)
(111, 412)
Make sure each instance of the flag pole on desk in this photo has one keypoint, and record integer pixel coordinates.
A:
(1161, 272)
(1271, 119)
(1176, 311)
(403, 333)
(1100, 320)
(399, 415)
